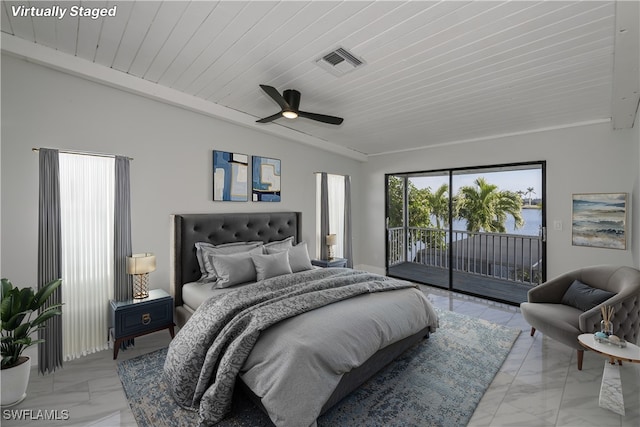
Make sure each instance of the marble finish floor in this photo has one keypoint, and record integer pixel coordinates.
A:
(538, 385)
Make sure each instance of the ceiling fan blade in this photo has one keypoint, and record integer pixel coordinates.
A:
(332, 120)
(275, 95)
(270, 118)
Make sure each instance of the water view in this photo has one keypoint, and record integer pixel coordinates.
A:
(532, 223)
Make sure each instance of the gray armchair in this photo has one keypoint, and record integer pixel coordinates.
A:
(545, 311)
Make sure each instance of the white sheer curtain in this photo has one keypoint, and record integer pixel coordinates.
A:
(336, 198)
(335, 185)
(87, 204)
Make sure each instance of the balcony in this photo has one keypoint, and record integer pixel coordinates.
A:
(502, 267)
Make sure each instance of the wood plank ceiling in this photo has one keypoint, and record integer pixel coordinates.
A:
(434, 72)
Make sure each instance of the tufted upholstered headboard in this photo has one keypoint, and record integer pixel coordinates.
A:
(187, 229)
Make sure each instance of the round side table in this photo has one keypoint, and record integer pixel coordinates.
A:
(611, 387)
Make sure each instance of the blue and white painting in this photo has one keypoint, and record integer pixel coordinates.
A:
(600, 220)
(266, 179)
(230, 176)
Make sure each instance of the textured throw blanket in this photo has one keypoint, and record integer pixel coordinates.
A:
(206, 355)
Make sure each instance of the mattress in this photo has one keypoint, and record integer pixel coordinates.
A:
(195, 293)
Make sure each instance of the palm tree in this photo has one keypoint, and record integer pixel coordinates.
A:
(485, 208)
(530, 192)
(439, 205)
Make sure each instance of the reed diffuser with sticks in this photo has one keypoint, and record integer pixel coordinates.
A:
(606, 324)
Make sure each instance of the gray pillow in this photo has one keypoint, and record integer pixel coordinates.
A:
(298, 256)
(584, 297)
(271, 265)
(234, 269)
(280, 244)
(206, 251)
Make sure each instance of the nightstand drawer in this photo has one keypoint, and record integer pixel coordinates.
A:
(140, 316)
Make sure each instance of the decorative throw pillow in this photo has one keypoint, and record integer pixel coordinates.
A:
(299, 259)
(280, 244)
(271, 265)
(584, 297)
(234, 269)
(206, 251)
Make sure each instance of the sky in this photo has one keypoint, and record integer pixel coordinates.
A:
(505, 180)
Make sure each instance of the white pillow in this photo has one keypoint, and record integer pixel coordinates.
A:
(234, 269)
(271, 265)
(299, 259)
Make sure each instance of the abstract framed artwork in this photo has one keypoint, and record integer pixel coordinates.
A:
(266, 179)
(230, 176)
(599, 220)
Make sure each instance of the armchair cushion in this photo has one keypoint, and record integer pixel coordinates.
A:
(584, 297)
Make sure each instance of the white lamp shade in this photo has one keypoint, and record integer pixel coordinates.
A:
(141, 263)
(331, 239)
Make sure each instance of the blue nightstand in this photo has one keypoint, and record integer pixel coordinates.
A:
(334, 262)
(135, 317)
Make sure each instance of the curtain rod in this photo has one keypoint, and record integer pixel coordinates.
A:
(84, 153)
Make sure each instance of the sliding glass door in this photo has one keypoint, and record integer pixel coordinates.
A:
(418, 226)
(473, 230)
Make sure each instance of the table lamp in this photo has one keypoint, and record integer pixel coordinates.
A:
(331, 242)
(140, 265)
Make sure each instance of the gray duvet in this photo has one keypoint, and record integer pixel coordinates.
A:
(296, 363)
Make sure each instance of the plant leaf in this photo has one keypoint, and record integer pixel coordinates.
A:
(43, 293)
(24, 342)
(22, 330)
(44, 316)
(15, 321)
(15, 300)
(26, 296)
(6, 287)
(5, 306)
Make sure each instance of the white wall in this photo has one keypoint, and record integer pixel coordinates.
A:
(170, 173)
(587, 159)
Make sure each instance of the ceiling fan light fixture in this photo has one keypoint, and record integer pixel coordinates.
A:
(289, 102)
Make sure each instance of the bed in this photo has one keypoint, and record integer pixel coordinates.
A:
(279, 365)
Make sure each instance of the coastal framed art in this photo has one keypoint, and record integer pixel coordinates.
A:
(266, 179)
(230, 177)
(599, 220)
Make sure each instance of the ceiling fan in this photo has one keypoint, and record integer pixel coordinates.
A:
(289, 101)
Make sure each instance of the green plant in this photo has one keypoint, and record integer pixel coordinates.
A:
(15, 312)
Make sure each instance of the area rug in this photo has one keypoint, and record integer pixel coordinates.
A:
(438, 382)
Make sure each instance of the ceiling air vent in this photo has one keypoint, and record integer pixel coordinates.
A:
(339, 61)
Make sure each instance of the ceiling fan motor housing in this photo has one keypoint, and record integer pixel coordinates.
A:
(292, 97)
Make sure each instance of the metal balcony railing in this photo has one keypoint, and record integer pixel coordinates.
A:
(510, 257)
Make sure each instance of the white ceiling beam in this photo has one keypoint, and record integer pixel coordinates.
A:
(626, 70)
(76, 66)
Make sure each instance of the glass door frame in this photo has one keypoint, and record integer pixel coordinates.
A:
(451, 172)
